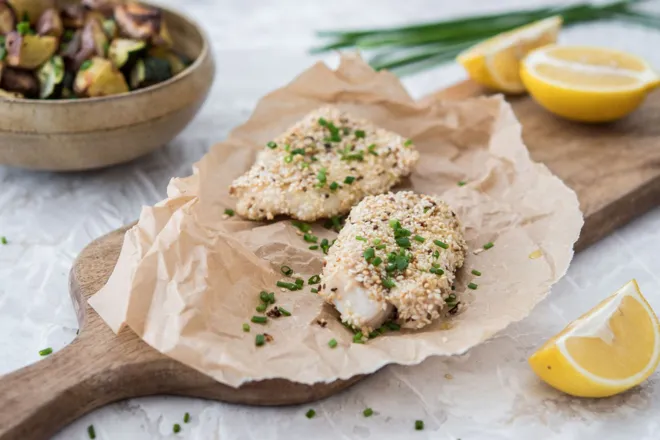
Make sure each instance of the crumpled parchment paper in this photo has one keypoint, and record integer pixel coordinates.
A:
(187, 279)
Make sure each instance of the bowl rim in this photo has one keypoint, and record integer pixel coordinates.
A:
(203, 54)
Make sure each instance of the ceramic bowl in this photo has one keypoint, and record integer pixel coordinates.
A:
(88, 133)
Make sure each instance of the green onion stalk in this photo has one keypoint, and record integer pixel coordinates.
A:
(410, 49)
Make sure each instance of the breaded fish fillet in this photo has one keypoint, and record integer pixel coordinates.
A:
(321, 167)
(396, 252)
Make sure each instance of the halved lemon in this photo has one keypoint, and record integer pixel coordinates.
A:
(588, 84)
(495, 63)
(608, 350)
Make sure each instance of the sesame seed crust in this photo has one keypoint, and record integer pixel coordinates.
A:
(423, 289)
(285, 179)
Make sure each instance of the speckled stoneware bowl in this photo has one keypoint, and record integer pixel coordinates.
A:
(82, 134)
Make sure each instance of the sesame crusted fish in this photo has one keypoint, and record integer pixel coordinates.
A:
(396, 257)
(322, 167)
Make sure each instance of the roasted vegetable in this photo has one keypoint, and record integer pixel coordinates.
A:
(73, 16)
(50, 24)
(29, 51)
(30, 10)
(150, 71)
(51, 78)
(177, 62)
(94, 40)
(7, 19)
(10, 95)
(98, 77)
(125, 52)
(143, 23)
(19, 81)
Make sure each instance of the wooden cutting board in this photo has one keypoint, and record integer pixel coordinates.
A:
(614, 168)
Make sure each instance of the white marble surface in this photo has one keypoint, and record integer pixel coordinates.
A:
(488, 394)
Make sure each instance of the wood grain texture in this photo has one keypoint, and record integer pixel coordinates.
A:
(99, 367)
(82, 134)
(614, 168)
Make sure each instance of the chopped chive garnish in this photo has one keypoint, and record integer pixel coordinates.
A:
(380, 247)
(427, 209)
(304, 165)
(91, 432)
(264, 297)
(286, 270)
(45, 351)
(476, 272)
(357, 338)
(489, 245)
(300, 151)
(349, 179)
(359, 156)
(391, 257)
(314, 279)
(376, 261)
(309, 238)
(314, 290)
(369, 253)
(368, 412)
(419, 238)
(451, 300)
(229, 212)
(404, 242)
(436, 254)
(259, 319)
(246, 327)
(310, 414)
(323, 122)
(300, 282)
(186, 418)
(372, 149)
(261, 308)
(407, 143)
(393, 326)
(284, 311)
(388, 283)
(304, 227)
(360, 238)
(24, 27)
(390, 267)
(333, 186)
(462, 183)
(442, 244)
(176, 428)
(472, 286)
(360, 134)
(272, 145)
(321, 177)
(346, 130)
(259, 340)
(287, 147)
(332, 343)
(286, 285)
(437, 271)
(419, 425)
(394, 224)
(377, 240)
(288, 159)
(313, 248)
(3, 240)
(271, 297)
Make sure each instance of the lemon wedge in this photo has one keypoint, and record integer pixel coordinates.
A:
(612, 348)
(588, 84)
(495, 63)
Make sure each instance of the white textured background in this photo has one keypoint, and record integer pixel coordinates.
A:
(488, 394)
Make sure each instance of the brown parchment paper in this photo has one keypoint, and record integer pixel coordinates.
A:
(187, 279)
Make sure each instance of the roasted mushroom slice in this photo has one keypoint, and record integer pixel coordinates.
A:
(143, 23)
(19, 81)
(7, 19)
(50, 23)
(51, 78)
(94, 40)
(125, 52)
(29, 51)
(30, 10)
(150, 71)
(73, 16)
(98, 77)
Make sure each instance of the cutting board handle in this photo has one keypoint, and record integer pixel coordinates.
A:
(50, 393)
